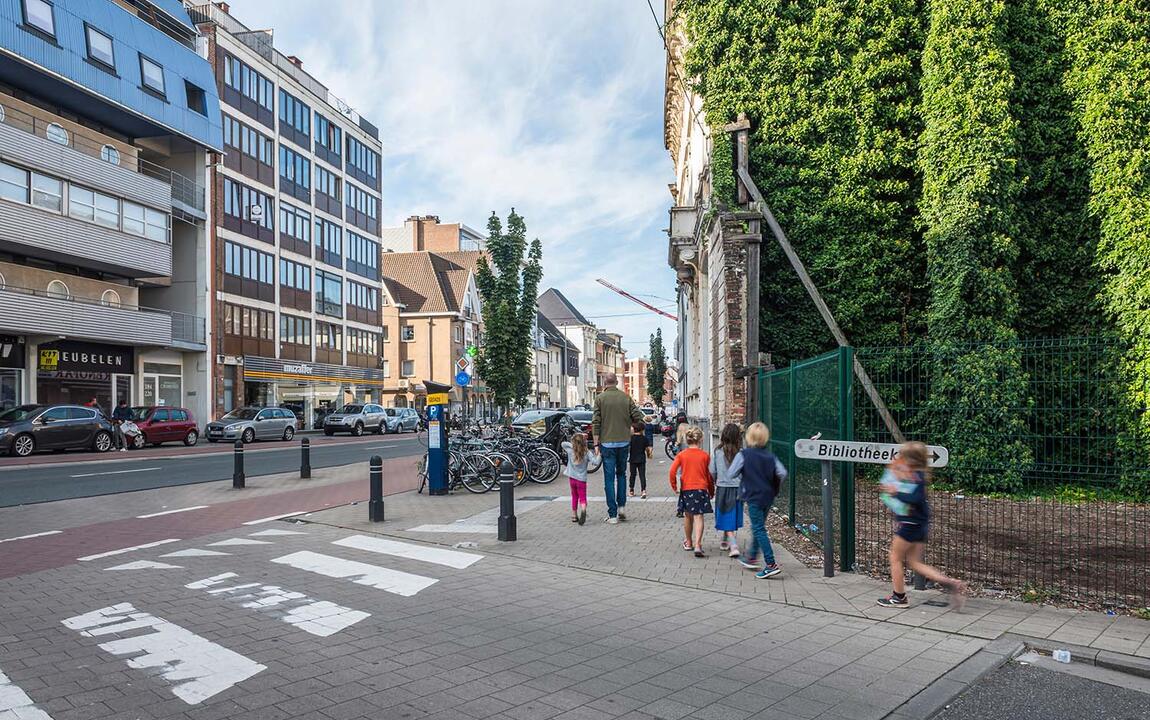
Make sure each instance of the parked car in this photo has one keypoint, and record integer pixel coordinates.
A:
(27, 428)
(159, 425)
(253, 423)
(355, 419)
(402, 420)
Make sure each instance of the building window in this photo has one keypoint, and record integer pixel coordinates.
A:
(110, 298)
(386, 367)
(110, 154)
(328, 242)
(100, 48)
(38, 15)
(295, 275)
(295, 222)
(59, 290)
(145, 221)
(47, 192)
(363, 159)
(385, 334)
(249, 322)
(328, 336)
(362, 342)
(295, 330)
(360, 200)
(408, 369)
(295, 167)
(362, 256)
(457, 332)
(152, 76)
(241, 201)
(295, 113)
(197, 99)
(56, 133)
(327, 183)
(13, 183)
(328, 135)
(328, 294)
(248, 263)
(407, 333)
(362, 296)
(247, 140)
(240, 77)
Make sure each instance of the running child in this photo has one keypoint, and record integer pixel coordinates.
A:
(578, 457)
(696, 487)
(638, 457)
(728, 506)
(762, 475)
(903, 488)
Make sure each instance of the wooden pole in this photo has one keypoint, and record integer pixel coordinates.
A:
(742, 130)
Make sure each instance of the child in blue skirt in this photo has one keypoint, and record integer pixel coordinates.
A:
(728, 506)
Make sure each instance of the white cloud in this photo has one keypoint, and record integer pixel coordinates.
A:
(555, 109)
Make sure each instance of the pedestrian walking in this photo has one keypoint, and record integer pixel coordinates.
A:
(638, 459)
(611, 422)
(691, 479)
(649, 428)
(903, 487)
(119, 415)
(578, 457)
(728, 506)
(761, 476)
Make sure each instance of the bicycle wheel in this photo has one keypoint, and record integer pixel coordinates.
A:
(477, 473)
(521, 467)
(671, 449)
(545, 465)
(422, 473)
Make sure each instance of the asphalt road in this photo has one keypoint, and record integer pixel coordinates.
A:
(145, 470)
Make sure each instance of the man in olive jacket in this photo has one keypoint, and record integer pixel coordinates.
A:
(615, 411)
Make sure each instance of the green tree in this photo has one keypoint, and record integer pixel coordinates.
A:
(508, 285)
(657, 368)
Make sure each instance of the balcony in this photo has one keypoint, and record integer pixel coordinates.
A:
(29, 311)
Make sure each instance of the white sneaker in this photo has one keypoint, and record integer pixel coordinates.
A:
(612, 521)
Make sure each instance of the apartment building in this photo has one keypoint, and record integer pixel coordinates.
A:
(556, 361)
(583, 335)
(107, 115)
(299, 303)
(426, 233)
(610, 357)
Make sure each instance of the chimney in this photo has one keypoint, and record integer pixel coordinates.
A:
(225, 7)
(295, 61)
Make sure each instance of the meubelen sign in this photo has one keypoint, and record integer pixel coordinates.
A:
(877, 453)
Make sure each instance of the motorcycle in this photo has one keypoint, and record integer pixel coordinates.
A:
(133, 436)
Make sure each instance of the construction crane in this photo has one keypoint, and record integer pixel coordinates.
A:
(632, 298)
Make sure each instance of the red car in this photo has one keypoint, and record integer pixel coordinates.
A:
(165, 424)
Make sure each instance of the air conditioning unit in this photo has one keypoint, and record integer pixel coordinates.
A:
(404, 384)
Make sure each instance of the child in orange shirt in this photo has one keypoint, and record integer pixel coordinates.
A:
(695, 487)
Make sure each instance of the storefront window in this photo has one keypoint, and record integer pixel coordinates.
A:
(163, 385)
(11, 382)
(76, 373)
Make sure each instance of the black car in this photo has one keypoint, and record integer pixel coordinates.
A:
(28, 428)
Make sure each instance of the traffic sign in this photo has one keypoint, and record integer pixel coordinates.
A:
(472, 351)
(862, 452)
(462, 379)
(462, 364)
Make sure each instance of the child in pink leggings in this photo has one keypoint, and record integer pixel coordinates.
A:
(578, 457)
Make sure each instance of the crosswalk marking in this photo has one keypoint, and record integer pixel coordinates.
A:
(450, 558)
(15, 703)
(197, 667)
(275, 517)
(142, 565)
(193, 552)
(121, 551)
(392, 581)
(318, 617)
(238, 541)
(485, 522)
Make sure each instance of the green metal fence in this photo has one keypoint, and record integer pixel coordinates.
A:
(808, 398)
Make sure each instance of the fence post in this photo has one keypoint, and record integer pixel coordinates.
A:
(238, 477)
(375, 480)
(846, 470)
(828, 520)
(793, 392)
(305, 459)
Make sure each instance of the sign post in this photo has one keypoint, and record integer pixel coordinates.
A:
(437, 450)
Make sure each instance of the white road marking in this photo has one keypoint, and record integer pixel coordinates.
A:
(15, 703)
(121, 551)
(115, 472)
(197, 667)
(193, 552)
(438, 556)
(485, 522)
(144, 565)
(171, 512)
(392, 581)
(34, 535)
(270, 533)
(239, 541)
(275, 517)
(317, 617)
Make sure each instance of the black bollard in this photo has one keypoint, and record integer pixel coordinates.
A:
(304, 459)
(238, 471)
(375, 504)
(828, 522)
(507, 502)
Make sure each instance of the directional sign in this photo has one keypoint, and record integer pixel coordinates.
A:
(861, 452)
(462, 379)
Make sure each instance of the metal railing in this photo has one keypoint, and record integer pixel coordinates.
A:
(184, 189)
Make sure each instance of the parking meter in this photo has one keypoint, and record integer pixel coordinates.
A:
(437, 448)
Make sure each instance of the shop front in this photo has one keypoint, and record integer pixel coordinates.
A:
(310, 390)
(12, 363)
(71, 372)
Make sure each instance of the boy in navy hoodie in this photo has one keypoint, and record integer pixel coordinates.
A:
(762, 475)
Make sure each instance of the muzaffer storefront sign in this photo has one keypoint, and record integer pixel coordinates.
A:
(67, 355)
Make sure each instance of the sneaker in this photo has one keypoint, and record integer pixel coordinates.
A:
(575, 518)
(687, 546)
(612, 521)
(734, 552)
(749, 563)
(768, 571)
(699, 553)
(644, 495)
(123, 449)
(631, 493)
(724, 545)
(622, 515)
(893, 601)
(582, 514)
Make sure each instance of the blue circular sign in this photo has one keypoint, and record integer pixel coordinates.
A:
(462, 379)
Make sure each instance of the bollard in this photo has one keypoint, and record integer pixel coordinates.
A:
(238, 471)
(304, 459)
(507, 502)
(375, 504)
(828, 522)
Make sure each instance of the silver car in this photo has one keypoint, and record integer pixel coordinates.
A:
(355, 419)
(252, 423)
(402, 420)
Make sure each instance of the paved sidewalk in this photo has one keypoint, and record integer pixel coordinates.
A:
(646, 547)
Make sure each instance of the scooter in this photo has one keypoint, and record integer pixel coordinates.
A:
(133, 436)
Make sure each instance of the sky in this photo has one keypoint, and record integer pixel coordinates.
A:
(555, 109)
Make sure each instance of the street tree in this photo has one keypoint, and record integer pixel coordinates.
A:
(508, 280)
(657, 368)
